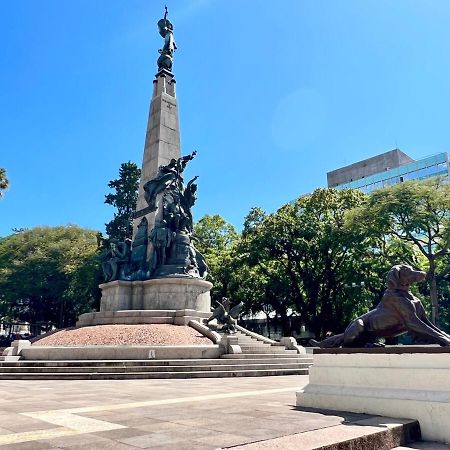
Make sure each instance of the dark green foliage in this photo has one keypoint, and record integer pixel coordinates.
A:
(124, 199)
(306, 260)
(416, 214)
(49, 274)
(215, 239)
(4, 183)
(325, 257)
(443, 288)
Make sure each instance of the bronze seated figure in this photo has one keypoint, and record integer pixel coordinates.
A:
(398, 312)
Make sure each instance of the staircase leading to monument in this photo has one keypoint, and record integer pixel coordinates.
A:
(249, 364)
(257, 359)
(253, 347)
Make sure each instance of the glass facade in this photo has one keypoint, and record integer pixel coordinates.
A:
(435, 165)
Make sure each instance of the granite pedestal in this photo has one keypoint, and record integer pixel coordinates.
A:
(161, 293)
(161, 300)
(406, 382)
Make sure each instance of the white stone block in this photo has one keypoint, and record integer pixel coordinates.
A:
(8, 351)
(406, 385)
(19, 345)
(290, 343)
(123, 352)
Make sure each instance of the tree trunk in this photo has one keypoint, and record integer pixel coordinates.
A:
(268, 324)
(433, 293)
(61, 313)
(285, 324)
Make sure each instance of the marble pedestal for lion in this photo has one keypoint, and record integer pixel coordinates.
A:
(172, 300)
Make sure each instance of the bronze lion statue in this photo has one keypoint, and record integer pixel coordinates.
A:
(398, 312)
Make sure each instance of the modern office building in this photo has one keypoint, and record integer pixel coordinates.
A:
(387, 169)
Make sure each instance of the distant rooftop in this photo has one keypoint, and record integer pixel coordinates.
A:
(367, 167)
(423, 168)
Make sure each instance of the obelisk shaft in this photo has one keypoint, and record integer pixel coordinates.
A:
(162, 141)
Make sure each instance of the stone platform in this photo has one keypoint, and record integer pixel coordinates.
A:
(398, 381)
(240, 355)
(203, 362)
(176, 293)
(119, 353)
(135, 317)
(195, 414)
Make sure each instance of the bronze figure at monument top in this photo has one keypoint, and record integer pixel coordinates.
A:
(165, 60)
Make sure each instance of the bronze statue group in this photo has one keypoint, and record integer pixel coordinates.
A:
(168, 249)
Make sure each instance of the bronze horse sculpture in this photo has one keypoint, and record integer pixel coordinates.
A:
(398, 312)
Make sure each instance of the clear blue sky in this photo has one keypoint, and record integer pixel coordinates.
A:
(272, 95)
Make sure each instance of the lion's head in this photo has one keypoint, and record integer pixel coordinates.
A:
(402, 276)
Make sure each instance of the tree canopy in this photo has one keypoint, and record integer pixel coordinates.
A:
(305, 256)
(322, 258)
(216, 239)
(4, 183)
(49, 274)
(416, 213)
(124, 200)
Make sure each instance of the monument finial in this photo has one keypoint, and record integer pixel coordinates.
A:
(165, 60)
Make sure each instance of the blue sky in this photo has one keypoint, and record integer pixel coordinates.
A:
(272, 95)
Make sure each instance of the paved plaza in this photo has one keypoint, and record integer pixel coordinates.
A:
(179, 414)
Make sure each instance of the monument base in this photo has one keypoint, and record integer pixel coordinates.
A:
(122, 352)
(136, 317)
(175, 293)
(402, 382)
(162, 300)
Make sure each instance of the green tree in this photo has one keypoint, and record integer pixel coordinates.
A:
(49, 274)
(215, 238)
(310, 259)
(4, 183)
(124, 199)
(418, 214)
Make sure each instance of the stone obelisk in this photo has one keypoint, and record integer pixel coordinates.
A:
(162, 141)
(161, 276)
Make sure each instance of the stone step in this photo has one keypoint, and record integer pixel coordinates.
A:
(250, 341)
(424, 445)
(134, 313)
(266, 355)
(244, 337)
(250, 365)
(374, 433)
(259, 344)
(258, 359)
(9, 359)
(150, 375)
(132, 320)
(240, 335)
(257, 349)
